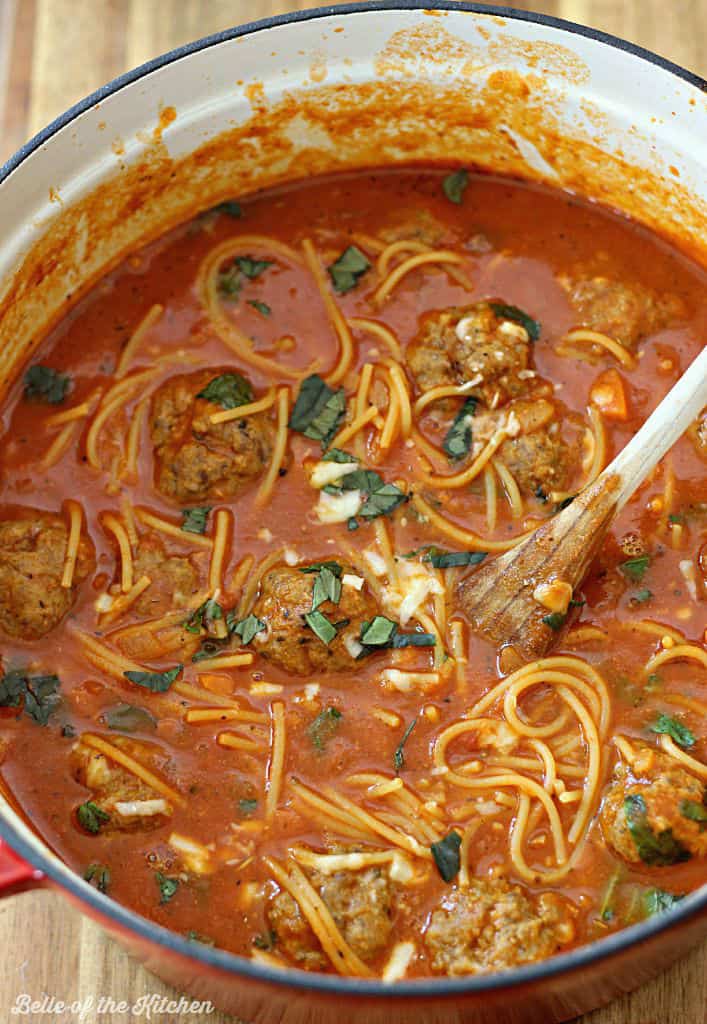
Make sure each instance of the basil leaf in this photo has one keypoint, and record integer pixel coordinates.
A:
(656, 901)
(327, 587)
(399, 755)
(635, 568)
(454, 186)
(99, 876)
(457, 442)
(346, 271)
(207, 613)
(693, 811)
(167, 887)
(669, 726)
(205, 940)
(45, 384)
(505, 312)
(229, 390)
(210, 649)
(318, 566)
(641, 596)
(318, 410)
(38, 694)
(446, 855)
(555, 620)
(252, 268)
(247, 807)
(128, 718)
(382, 501)
(231, 207)
(414, 640)
(158, 682)
(321, 627)
(229, 283)
(378, 632)
(352, 524)
(657, 849)
(452, 559)
(247, 628)
(261, 307)
(321, 730)
(337, 455)
(91, 817)
(194, 519)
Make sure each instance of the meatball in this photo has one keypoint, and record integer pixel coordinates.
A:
(361, 903)
(472, 343)
(491, 925)
(32, 553)
(287, 640)
(626, 312)
(131, 805)
(666, 808)
(174, 579)
(197, 460)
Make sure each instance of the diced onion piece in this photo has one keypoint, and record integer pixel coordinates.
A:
(291, 557)
(399, 961)
(554, 595)
(195, 856)
(352, 645)
(143, 808)
(103, 603)
(338, 508)
(405, 682)
(311, 690)
(376, 562)
(265, 689)
(349, 580)
(325, 473)
(689, 574)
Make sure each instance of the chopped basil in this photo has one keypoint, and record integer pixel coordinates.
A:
(128, 718)
(321, 627)
(204, 616)
(635, 568)
(669, 726)
(352, 524)
(399, 755)
(446, 855)
(265, 940)
(378, 632)
(454, 186)
(414, 640)
(194, 519)
(380, 498)
(327, 587)
(210, 649)
(337, 455)
(167, 887)
(247, 807)
(229, 390)
(676, 518)
(555, 620)
(247, 628)
(641, 596)
(655, 901)
(318, 410)
(333, 567)
(38, 695)
(657, 849)
(693, 811)
(99, 876)
(452, 559)
(45, 384)
(205, 940)
(158, 682)
(504, 312)
(321, 730)
(261, 307)
(457, 442)
(231, 207)
(229, 282)
(606, 910)
(91, 817)
(252, 268)
(347, 270)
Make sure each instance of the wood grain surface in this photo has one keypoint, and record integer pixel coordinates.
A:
(52, 53)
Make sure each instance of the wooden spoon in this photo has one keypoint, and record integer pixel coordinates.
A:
(512, 599)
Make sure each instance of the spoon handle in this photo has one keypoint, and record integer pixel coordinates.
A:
(664, 426)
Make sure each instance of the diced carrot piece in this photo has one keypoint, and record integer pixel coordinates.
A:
(608, 393)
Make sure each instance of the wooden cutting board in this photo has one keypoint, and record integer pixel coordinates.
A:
(52, 53)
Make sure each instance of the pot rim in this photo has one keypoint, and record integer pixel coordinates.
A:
(692, 907)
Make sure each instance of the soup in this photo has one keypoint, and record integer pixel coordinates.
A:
(243, 483)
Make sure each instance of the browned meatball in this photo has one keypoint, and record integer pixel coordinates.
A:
(491, 925)
(285, 598)
(472, 343)
(174, 579)
(129, 803)
(32, 553)
(654, 810)
(626, 312)
(197, 460)
(361, 903)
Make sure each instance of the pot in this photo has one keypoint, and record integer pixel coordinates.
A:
(313, 92)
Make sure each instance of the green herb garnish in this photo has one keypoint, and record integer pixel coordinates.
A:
(504, 312)
(337, 455)
(247, 628)
(327, 587)
(205, 940)
(641, 596)
(265, 940)
(378, 632)
(247, 807)
(158, 682)
(91, 817)
(454, 186)
(167, 887)
(194, 519)
(99, 876)
(229, 282)
(635, 568)
(252, 268)
(229, 390)
(380, 498)
(348, 269)
(655, 901)
(260, 307)
(667, 725)
(204, 616)
(399, 755)
(128, 718)
(318, 566)
(38, 695)
(657, 849)
(446, 855)
(555, 620)
(693, 811)
(321, 627)
(453, 559)
(457, 442)
(46, 385)
(318, 410)
(321, 730)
